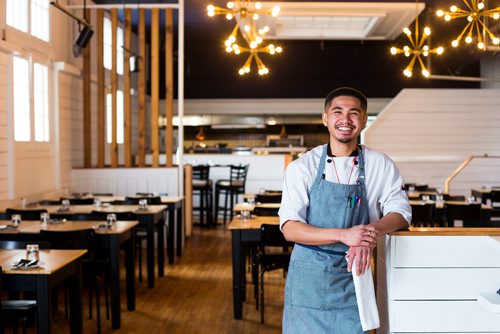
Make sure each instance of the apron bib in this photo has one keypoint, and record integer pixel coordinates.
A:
(319, 291)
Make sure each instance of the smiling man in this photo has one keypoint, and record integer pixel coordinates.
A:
(338, 199)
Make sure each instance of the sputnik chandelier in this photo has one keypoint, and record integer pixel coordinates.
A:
(246, 14)
(417, 50)
(477, 15)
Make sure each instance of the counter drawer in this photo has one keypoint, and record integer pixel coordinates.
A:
(438, 283)
(444, 251)
(442, 316)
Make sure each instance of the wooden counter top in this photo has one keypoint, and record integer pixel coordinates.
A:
(447, 231)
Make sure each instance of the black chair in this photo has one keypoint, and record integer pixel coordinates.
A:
(4, 216)
(268, 198)
(202, 187)
(458, 198)
(495, 203)
(14, 311)
(94, 263)
(153, 200)
(265, 211)
(102, 194)
(49, 202)
(144, 194)
(469, 214)
(422, 214)
(267, 260)
(80, 201)
(26, 214)
(230, 189)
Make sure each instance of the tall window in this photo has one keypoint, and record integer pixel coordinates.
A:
(107, 31)
(119, 117)
(22, 127)
(18, 13)
(23, 98)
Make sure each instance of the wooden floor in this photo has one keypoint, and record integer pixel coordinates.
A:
(195, 296)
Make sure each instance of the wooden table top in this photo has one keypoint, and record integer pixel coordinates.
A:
(164, 199)
(254, 223)
(34, 227)
(52, 260)
(86, 209)
(447, 231)
(239, 206)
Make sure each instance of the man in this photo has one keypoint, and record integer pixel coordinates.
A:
(338, 199)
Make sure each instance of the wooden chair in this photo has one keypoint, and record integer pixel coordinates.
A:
(230, 189)
(265, 260)
(26, 214)
(202, 187)
(422, 214)
(469, 214)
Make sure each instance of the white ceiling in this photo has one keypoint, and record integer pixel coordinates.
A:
(340, 20)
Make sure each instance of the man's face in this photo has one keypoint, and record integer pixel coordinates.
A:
(345, 119)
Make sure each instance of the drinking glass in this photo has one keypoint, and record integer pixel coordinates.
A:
(97, 202)
(65, 204)
(471, 199)
(245, 212)
(111, 219)
(44, 217)
(143, 204)
(32, 252)
(16, 220)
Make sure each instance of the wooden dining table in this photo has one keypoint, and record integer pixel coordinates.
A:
(151, 218)
(242, 232)
(121, 233)
(56, 267)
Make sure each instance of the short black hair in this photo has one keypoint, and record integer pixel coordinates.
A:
(346, 91)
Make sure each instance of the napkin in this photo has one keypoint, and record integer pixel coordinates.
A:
(365, 296)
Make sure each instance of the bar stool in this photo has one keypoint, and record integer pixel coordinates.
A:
(202, 187)
(469, 214)
(230, 189)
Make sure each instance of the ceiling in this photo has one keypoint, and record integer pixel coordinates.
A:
(326, 44)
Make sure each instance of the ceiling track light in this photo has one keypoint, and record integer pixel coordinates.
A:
(73, 16)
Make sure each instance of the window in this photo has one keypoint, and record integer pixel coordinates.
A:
(22, 101)
(22, 127)
(119, 117)
(18, 13)
(107, 31)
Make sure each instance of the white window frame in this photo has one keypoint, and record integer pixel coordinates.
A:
(107, 49)
(120, 125)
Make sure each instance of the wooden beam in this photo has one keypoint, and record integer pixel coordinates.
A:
(127, 129)
(114, 87)
(87, 104)
(155, 84)
(169, 84)
(101, 94)
(142, 89)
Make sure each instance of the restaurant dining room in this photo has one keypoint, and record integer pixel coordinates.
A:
(186, 166)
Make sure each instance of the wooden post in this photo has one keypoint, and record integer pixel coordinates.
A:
(127, 129)
(142, 89)
(188, 202)
(87, 103)
(114, 87)
(169, 85)
(155, 84)
(101, 94)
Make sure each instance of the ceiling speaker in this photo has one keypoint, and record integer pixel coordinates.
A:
(84, 37)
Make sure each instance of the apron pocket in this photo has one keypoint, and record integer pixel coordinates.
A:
(339, 291)
(306, 284)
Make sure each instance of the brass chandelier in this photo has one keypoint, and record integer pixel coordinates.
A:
(246, 13)
(477, 15)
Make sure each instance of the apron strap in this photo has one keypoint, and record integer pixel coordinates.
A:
(321, 167)
(319, 249)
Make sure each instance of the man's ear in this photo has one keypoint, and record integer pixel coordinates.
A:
(324, 117)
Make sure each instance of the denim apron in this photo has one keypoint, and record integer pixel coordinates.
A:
(319, 291)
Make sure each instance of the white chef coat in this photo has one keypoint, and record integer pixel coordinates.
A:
(382, 178)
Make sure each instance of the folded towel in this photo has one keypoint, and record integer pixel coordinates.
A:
(365, 296)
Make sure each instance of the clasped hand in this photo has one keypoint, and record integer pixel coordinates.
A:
(362, 239)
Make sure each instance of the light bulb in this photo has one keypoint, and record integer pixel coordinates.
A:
(255, 17)
(407, 31)
(246, 28)
(439, 13)
(427, 31)
(258, 39)
(406, 48)
(276, 11)
(480, 5)
(407, 54)
(426, 48)
(496, 16)
(279, 49)
(407, 72)
(480, 45)
(227, 43)
(425, 73)
(453, 8)
(266, 28)
(425, 53)
(211, 13)
(241, 71)
(440, 50)
(229, 49)
(247, 69)
(232, 39)
(253, 44)
(447, 17)
(258, 5)
(237, 51)
(469, 18)
(394, 50)
(210, 8)
(468, 39)
(229, 16)
(230, 5)
(496, 40)
(272, 51)
(454, 43)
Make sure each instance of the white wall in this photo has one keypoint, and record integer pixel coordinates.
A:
(3, 127)
(430, 132)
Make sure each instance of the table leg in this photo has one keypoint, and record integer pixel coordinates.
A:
(114, 271)
(171, 236)
(160, 229)
(43, 301)
(238, 270)
(130, 271)
(150, 261)
(180, 231)
(75, 301)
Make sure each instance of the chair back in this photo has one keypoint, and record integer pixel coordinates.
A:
(21, 244)
(135, 200)
(76, 239)
(80, 201)
(201, 172)
(495, 196)
(26, 214)
(102, 194)
(422, 214)
(4, 216)
(49, 202)
(464, 212)
(458, 198)
(94, 215)
(268, 198)
(144, 194)
(271, 235)
(266, 212)
(238, 176)
(127, 215)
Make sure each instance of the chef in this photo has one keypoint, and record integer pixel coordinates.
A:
(338, 199)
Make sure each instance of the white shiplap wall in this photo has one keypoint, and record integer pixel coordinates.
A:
(430, 132)
(3, 127)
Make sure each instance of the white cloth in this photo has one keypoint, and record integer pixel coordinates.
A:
(383, 184)
(365, 296)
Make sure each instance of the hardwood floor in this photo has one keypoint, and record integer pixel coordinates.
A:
(195, 296)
